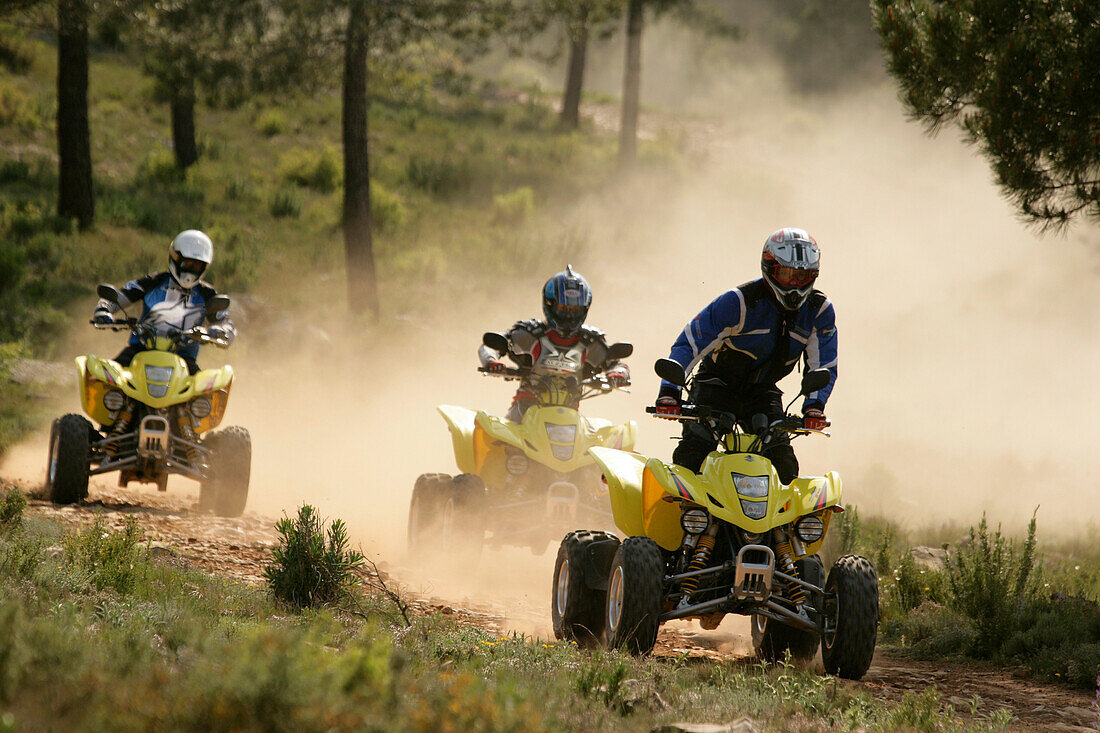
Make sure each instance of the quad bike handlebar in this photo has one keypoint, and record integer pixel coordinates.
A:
(179, 337)
(590, 386)
(721, 422)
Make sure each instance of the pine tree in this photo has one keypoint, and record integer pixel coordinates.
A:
(1021, 78)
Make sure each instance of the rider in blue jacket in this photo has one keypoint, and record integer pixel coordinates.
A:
(748, 339)
(173, 300)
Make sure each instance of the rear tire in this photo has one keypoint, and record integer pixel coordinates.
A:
(851, 617)
(772, 639)
(231, 465)
(576, 609)
(634, 591)
(67, 462)
(425, 509)
(462, 516)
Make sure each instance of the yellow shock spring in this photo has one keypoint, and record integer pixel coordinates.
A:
(698, 562)
(783, 552)
(122, 423)
(183, 424)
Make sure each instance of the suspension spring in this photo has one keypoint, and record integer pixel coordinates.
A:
(122, 424)
(183, 424)
(699, 559)
(783, 557)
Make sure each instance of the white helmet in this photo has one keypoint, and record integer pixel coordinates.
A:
(188, 255)
(790, 263)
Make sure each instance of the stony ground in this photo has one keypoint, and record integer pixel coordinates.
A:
(239, 548)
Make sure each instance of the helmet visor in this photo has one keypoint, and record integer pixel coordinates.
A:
(191, 266)
(793, 277)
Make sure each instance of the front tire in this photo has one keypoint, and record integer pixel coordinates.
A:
(576, 609)
(851, 617)
(67, 463)
(772, 639)
(634, 590)
(231, 465)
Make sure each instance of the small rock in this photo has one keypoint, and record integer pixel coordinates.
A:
(447, 611)
(636, 694)
(741, 725)
(1067, 728)
(929, 558)
(1080, 715)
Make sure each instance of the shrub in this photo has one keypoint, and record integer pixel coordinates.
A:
(12, 504)
(990, 581)
(387, 211)
(271, 122)
(306, 570)
(17, 109)
(109, 559)
(440, 176)
(15, 53)
(515, 207)
(158, 165)
(285, 203)
(319, 170)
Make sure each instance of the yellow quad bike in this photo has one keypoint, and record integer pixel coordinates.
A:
(154, 419)
(730, 539)
(525, 483)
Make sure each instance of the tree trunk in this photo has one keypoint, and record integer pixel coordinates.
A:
(632, 83)
(76, 199)
(362, 280)
(574, 80)
(183, 123)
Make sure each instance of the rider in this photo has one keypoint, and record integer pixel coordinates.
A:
(172, 300)
(561, 346)
(748, 339)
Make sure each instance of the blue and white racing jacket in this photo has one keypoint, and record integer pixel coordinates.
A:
(164, 302)
(735, 340)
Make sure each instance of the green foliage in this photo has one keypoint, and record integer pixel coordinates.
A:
(12, 504)
(387, 210)
(271, 122)
(515, 207)
(108, 559)
(990, 581)
(158, 165)
(17, 108)
(320, 170)
(306, 570)
(16, 55)
(285, 203)
(441, 176)
(1004, 73)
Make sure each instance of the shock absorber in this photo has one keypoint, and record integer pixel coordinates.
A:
(121, 425)
(183, 424)
(783, 557)
(699, 559)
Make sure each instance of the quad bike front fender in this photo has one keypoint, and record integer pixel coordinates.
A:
(623, 472)
(816, 495)
(461, 422)
(621, 437)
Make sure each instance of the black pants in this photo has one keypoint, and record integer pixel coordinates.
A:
(127, 355)
(697, 441)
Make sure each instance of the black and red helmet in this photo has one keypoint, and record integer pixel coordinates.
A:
(790, 264)
(565, 301)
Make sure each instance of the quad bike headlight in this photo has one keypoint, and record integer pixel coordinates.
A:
(695, 521)
(158, 374)
(114, 400)
(516, 464)
(810, 528)
(755, 487)
(754, 509)
(561, 433)
(201, 407)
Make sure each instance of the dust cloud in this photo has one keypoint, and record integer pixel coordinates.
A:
(966, 348)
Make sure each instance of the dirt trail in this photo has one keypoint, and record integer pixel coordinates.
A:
(239, 548)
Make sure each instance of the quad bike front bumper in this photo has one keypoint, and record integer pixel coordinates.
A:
(150, 453)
